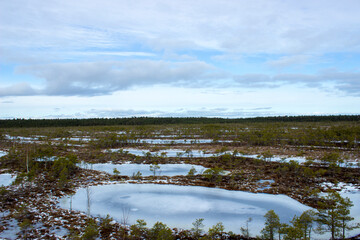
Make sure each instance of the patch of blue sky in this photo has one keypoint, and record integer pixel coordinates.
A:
(235, 63)
(87, 54)
(287, 64)
(94, 56)
(310, 63)
(345, 61)
(244, 64)
(9, 76)
(201, 54)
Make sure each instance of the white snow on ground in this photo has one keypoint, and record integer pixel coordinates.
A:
(179, 141)
(265, 184)
(21, 139)
(46, 159)
(81, 139)
(6, 179)
(179, 206)
(200, 153)
(300, 160)
(128, 169)
(169, 152)
(175, 141)
(11, 230)
(2, 153)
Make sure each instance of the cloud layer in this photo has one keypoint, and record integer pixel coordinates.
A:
(203, 112)
(99, 78)
(94, 48)
(102, 78)
(242, 26)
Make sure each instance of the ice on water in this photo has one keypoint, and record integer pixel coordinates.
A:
(129, 169)
(169, 152)
(175, 141)
(179, 206)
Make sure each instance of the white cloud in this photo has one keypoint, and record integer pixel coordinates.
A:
(175, 101)
(243, 26)
(91, 48)
(346, 82)
(197, 112)
(19, 89)
(7, 102)
(113, 53)
(285, 61)
(99, 78)
(105, 78)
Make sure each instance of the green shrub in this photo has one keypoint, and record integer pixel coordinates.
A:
(214, 174)
(91, 231)
(139, 230)
(160, 232)
(215, 232)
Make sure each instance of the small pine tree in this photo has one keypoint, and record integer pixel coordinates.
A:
(91, 231)
(160, 232)
(63, 177)
(334, 215)
(106, 226)
(197, 229)
(245, 232)
(116, 172)
(272, 225)
(214, 174)
(154, 168)
(139, 229)
(215, 232)
(192, 172)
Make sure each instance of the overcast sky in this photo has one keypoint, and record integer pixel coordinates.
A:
(118, 58)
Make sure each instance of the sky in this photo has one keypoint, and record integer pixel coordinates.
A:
(161, 58)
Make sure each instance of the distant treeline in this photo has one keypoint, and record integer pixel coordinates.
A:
(19, 123)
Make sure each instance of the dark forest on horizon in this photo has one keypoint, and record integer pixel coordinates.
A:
(21, 122)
